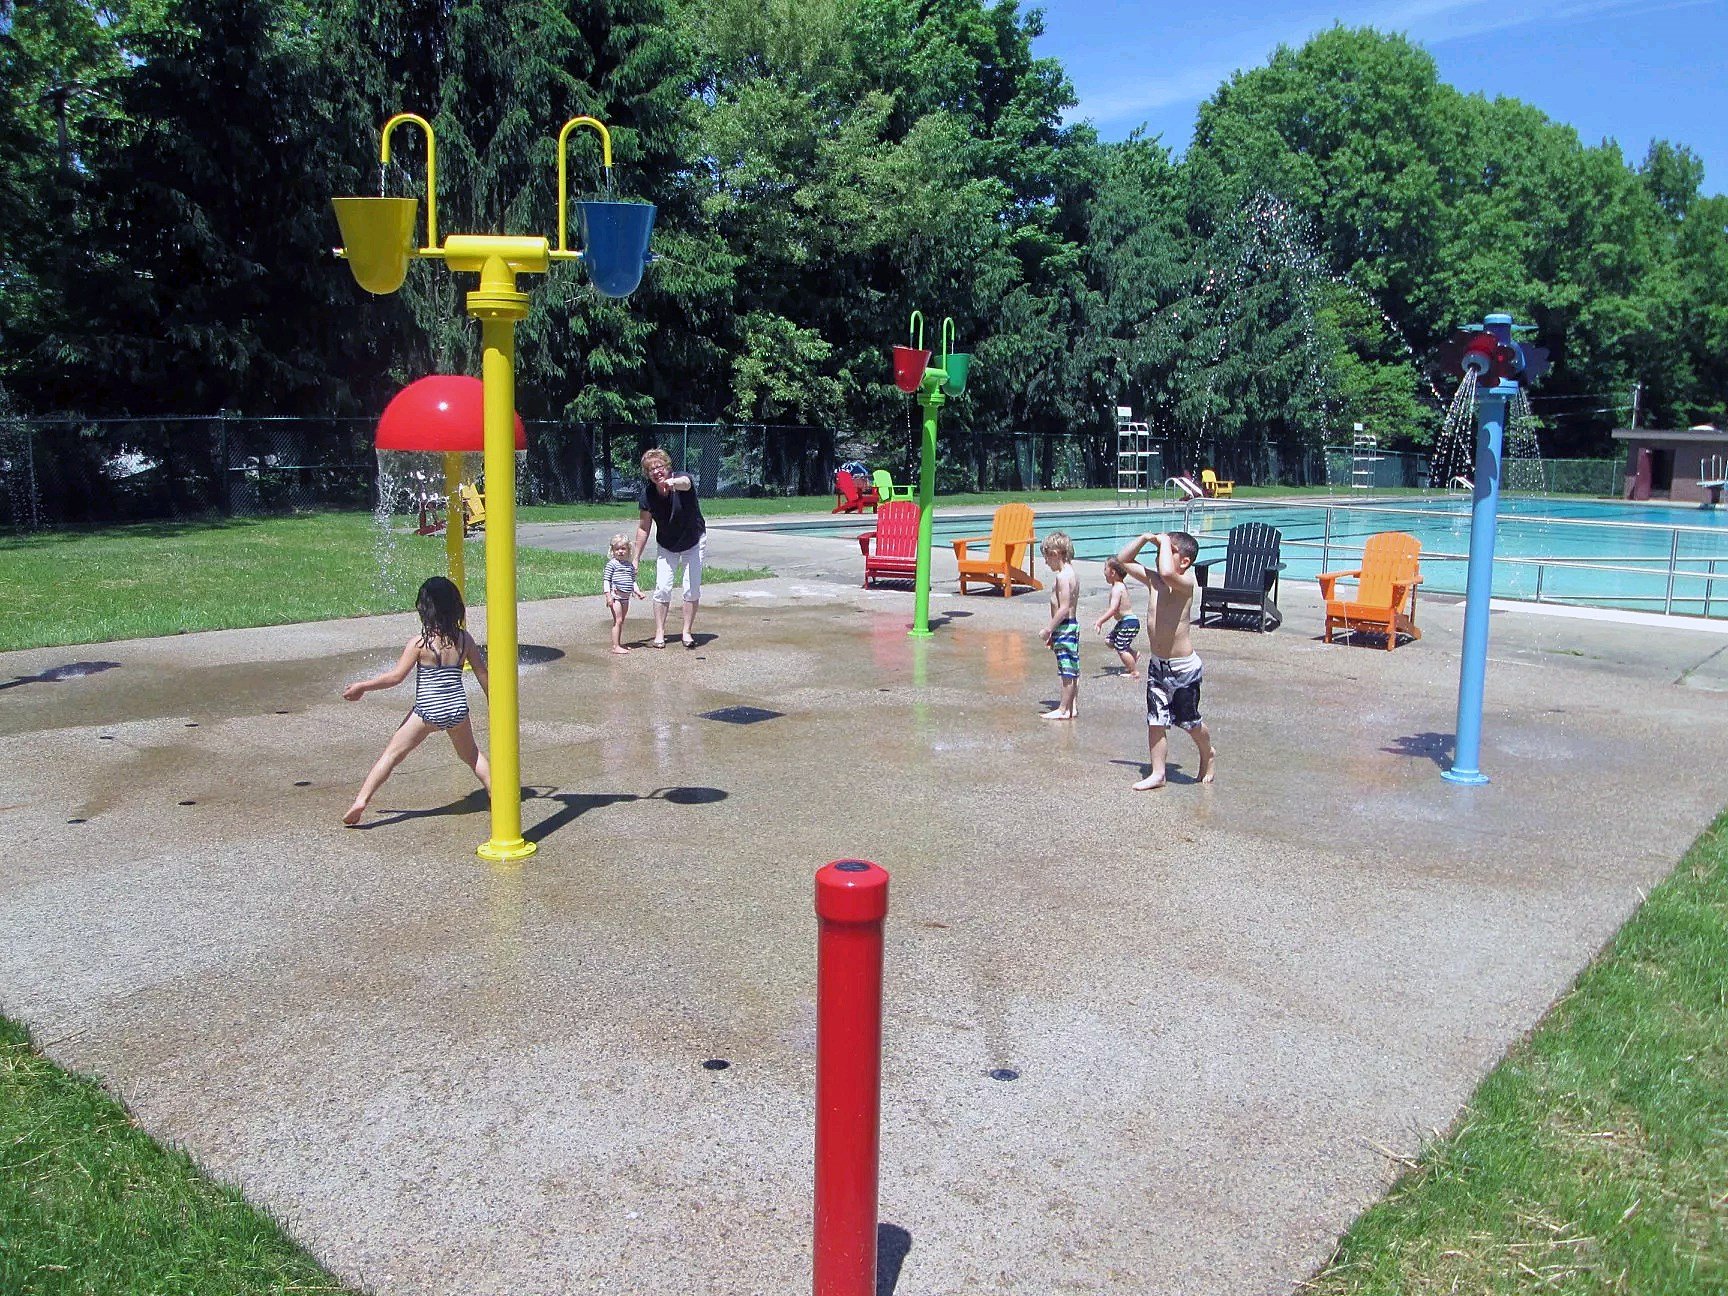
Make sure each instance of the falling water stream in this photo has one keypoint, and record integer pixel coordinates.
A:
(411, 500)
(1455, 448)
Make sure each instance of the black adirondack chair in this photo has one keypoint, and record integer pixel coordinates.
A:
(1250, 582)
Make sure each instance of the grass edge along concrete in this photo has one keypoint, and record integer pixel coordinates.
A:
(92, 1203)
(1591, 1158)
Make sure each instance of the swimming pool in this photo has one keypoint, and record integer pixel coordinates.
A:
(1650, 557)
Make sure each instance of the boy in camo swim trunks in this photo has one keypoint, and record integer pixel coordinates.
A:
(1063, 632)
(1173, 669)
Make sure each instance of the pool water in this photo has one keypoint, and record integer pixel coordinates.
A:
(1587, 552)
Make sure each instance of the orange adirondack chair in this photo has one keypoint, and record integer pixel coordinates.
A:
(894, 541)
(1010, 561)
(1385, 594)
(850, 496)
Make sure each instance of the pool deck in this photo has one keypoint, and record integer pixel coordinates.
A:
(1229, 1007)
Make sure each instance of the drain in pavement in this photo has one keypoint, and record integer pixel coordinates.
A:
(741, 715)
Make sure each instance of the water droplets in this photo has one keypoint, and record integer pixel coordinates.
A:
(1455, 448)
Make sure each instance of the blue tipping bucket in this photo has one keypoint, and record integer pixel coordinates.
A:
(615, 244)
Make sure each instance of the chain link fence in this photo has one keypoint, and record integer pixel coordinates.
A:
(78, 472)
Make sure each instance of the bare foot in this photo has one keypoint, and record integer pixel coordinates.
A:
(1150, 783)
(659, 643)
(1057, 714)
(1208, 767)
(688, 641)
(620, 649)
(354, 813)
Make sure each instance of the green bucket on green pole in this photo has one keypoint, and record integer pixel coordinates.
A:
(956, 364)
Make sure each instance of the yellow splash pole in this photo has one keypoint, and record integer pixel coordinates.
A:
(379, 234)
(498, 305)
(455, 524)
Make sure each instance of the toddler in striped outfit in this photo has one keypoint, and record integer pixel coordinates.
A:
(619, 583)
(1127, 626)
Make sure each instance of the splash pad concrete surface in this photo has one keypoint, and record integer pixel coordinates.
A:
(1228, 1007)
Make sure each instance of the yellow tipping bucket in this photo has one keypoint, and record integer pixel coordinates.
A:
(378, 239)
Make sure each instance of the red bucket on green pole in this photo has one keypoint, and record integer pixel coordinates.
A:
(909, 366)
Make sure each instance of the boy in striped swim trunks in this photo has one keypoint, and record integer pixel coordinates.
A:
(1127, 627)
(1173, 669)
(1063, 632)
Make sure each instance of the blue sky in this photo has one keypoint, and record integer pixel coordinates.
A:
(1630, 70)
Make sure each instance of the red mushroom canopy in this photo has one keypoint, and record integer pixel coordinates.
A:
(441, 413)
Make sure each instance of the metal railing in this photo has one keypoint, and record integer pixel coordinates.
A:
(1686, 580)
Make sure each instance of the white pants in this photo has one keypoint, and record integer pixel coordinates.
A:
(666, 565)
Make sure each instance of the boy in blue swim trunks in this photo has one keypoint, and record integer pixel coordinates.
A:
(1173, 669)
(1063, 632)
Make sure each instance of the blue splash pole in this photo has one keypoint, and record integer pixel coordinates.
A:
(1491, 408)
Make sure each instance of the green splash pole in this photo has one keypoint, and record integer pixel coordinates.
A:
(930, 400)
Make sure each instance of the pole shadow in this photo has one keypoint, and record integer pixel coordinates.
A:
(54, 674)
(892, 1244)
(576, 804)
(1436, 747)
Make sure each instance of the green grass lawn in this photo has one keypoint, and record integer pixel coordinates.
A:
(90, 1205)
(1593, 1161)
(162, 578)
(126, 582)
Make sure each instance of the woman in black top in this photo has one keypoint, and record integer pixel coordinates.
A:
(668, 507)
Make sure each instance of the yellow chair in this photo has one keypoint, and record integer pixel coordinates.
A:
(1010, 555)
(1214, 487)
(1386, 582)
(473, 508)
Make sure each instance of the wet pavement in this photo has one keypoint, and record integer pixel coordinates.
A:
(1224, 1008)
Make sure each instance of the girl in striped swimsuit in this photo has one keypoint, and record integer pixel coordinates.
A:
(437, 654)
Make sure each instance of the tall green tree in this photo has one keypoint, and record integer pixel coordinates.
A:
(203, 277)
(498, 80)
(58, 64)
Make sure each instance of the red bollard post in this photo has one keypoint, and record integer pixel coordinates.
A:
(851, 904)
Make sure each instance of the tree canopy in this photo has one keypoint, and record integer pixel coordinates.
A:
(821, 168)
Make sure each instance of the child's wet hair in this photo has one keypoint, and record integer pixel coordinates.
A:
(441, 610)
(1116, 567)
(1185, 544)
(619, 541)
(1057, 543)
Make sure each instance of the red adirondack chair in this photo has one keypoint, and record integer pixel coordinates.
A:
(895, 543)
(853, 498)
